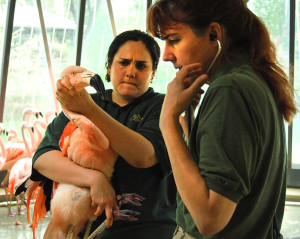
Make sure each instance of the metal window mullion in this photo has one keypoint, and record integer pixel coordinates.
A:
(80, 32)
(47, 52)
(149, 3)
(112, 19)
(6, 52)
(291, 74)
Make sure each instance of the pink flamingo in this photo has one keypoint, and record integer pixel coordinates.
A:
(12, 135)
(15, 147)
(21, 170)
(49, 115)
(80, 77)
(3, 153)
(87, 146)
(37, 124)
(28, 112)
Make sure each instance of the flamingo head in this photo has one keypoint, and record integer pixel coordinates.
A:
(80, 77)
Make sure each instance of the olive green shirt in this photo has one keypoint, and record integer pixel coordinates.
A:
(238, 142)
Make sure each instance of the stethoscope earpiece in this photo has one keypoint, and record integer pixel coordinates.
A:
(213, 38)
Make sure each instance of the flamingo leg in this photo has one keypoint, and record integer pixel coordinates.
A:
(8, 202)
(17, 222)
(70, 232)
(88, 229)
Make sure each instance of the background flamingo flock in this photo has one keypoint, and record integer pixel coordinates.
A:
(17, 151)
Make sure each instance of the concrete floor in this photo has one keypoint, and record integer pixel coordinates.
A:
(8, 230)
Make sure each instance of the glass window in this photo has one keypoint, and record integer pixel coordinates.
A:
(29, 82)
(276, 15)
(3, 14)
(296, 123)
(98, 35)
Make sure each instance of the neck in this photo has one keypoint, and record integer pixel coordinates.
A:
(119, 100)
(2, 148)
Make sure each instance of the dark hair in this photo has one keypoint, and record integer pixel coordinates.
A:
(244, 32)
(133, 35)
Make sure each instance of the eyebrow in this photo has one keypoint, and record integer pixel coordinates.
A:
(168, 36)
(126, 59)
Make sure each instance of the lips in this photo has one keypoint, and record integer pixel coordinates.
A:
(128, 83)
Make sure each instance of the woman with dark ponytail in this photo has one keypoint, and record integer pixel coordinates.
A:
(230, 175)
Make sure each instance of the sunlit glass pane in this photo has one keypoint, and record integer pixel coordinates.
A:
(100, 20)
(276, 16)
(28, 83)
(3, 14)
(296, 123)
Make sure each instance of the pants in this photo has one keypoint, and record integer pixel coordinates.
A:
(179, 233)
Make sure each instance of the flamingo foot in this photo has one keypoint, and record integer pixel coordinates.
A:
(21, 211)
(17, 223)
(125, 215)
(130, 198)
(12, 214)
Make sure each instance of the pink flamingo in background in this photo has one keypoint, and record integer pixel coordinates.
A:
(49, 115)
(3, 152)
(15, 147)
(12, 135)
(28, 112)
(21, 170)
(37, 124)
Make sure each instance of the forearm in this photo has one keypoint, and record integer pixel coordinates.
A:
(209, 210)
(132, 146)
(61, 169)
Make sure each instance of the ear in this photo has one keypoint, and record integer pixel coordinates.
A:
(152, 75)
(215, 31)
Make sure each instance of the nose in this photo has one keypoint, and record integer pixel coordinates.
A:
(130, 73)
(168, 54)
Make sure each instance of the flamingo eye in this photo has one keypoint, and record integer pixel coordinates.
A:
(73, 73)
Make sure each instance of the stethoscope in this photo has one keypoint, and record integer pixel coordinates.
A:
(212, 38)
(217, 54)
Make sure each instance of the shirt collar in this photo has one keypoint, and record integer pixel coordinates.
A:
(108, 96)
(236, 61)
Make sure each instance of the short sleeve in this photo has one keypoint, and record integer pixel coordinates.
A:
(226, 142)
(151, 131)
(50, 142)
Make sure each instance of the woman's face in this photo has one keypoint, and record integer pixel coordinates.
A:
(130, 72)
(184, 47)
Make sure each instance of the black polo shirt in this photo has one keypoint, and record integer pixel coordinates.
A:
(156, 184)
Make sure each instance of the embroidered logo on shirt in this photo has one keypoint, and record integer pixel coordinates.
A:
(137, 118)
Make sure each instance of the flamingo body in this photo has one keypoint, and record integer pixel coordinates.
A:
(70, 205)
(18, 174)
(89, 147)
(63, 202)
